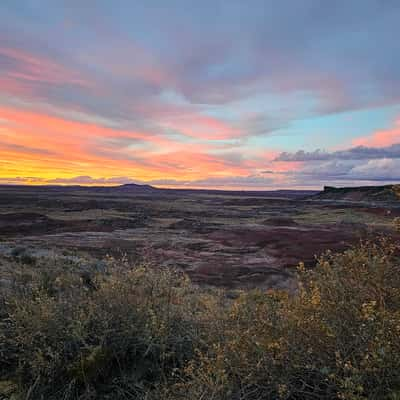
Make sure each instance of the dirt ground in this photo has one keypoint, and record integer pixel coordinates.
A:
(223, 239)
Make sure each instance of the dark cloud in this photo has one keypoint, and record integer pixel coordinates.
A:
(356, 164)
(354, 153)
(346, 172)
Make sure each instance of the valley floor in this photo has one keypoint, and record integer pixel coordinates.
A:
(233, 240)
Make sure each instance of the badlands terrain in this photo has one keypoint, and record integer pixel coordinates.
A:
(220, 238)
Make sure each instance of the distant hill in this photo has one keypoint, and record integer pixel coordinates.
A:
(128, 188)
(133, 188)
(374, 194)
(289, 194)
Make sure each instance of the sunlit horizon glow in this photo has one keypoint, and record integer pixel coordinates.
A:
(213, 95)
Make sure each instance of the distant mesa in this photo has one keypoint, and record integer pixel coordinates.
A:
(129, 187)
(371, 194)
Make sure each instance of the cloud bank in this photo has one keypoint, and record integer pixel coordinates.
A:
(199, 94)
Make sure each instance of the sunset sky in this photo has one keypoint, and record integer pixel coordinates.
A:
(205, 94)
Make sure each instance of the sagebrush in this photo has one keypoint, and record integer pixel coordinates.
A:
(146, 333)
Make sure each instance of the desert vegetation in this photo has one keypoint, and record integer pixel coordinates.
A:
(396, 190)
(138, 332)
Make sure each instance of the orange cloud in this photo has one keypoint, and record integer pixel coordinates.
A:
(67, 147)
(48, 147)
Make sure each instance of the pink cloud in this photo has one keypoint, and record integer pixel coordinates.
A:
(381, 138)
(202, 127)
(34, 68)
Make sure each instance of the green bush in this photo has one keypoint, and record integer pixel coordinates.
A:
(148, 333)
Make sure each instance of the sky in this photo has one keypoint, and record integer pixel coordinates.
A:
(203, 94)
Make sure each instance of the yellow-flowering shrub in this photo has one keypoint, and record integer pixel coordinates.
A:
(397, 223)
(396, 189)
(338, 338)
(148, 333)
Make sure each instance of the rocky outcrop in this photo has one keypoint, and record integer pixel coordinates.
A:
(370, 194)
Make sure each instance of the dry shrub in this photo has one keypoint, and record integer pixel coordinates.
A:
(396, 189)
(67, 335)
(148, 333)
(397, 224)
(338, 338)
